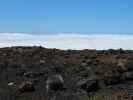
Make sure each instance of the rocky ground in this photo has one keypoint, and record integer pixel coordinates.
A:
(37, 73)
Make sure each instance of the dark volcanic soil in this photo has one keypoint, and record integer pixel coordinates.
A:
(37, 73)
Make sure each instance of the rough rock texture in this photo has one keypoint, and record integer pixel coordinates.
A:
(83, 74)
(26, 87)
(55, 83)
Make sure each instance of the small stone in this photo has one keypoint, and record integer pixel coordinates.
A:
(33, 74)
(26, 87)
(42, 61)
(83, 64)
(28, 74)
(55, 83)
(11, 84)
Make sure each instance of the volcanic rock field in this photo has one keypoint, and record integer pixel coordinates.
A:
(38, 73)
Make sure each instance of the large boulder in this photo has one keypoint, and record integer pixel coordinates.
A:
(112, 77)
(88, 85)
(121, 66)
(55, 83)
(127, 76)
(129, 65)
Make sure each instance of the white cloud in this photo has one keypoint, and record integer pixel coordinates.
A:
(67, 41)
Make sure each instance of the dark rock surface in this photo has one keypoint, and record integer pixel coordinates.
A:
(55, 83)
(88, 85)
(26, 87)
(37, 73)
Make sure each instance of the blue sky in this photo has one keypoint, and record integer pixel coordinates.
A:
(83, 16)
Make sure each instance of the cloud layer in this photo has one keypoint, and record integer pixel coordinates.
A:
(67, 41)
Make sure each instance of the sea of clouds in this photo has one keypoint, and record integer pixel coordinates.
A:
(68, 41)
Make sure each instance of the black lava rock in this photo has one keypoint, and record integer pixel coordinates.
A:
(55, 83)
(88, 85)
(26, 87)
